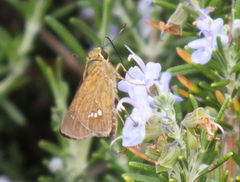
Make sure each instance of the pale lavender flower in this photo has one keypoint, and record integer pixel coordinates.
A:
(137, 83)
(204, 13)
(142, 75)
(134, 130)
(145, 75)
(211, 29)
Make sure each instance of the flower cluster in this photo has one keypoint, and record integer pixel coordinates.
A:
(142, 84)
(178, 146)
(211, 29)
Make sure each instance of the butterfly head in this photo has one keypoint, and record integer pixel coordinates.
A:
(98, 54)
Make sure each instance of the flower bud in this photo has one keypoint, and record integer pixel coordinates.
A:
(168, 158)
(164, 101)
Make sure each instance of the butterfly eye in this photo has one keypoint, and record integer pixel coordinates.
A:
(104, 54)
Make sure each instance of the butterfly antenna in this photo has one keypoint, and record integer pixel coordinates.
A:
(111, 42)
(124, 26)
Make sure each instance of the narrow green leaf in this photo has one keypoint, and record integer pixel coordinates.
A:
(140, 178)
(152, 154)
(219, 10)
(144, 167)
(216, 164)
(163, 176)
(205, 71)
(212, 102)
(193, 101)
(58, 70)
(207, 86)
(97, 9)
(12, 111)
(65, 10)
(58, 87)
(212, 152)
(82, 26)
(183, 162)
(104, 143)
(237, 8)
(165, 4)
(223, 108)
(172, 180)
(202, 179)
(235, 91)
(237, 57)
(49, 76)
(235, 68)
(214, 65)
(185, 69)
(213, 3)
(236, 158)
(226, 125)
(65, 36)
(106, 18)
(221, 53)
(221, 83)
(224, 177)
(128, 179)
(219, 59)
(182, 176)
(50, 147)
(190, 10)
(177, 106)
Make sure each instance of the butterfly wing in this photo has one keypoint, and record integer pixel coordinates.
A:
(92, 111)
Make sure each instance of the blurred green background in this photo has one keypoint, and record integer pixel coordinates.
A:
(43, 45)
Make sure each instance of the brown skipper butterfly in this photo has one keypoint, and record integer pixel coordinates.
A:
(92, 111)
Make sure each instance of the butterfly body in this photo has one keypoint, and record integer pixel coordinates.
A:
(92, 111)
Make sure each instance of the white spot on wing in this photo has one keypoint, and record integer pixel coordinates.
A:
(99, 112)
(95, 114)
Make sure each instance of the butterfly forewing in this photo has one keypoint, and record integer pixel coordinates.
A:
(92, 111)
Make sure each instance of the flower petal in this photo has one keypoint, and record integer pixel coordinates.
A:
(201, 56)
(133, 130)
(216, 26)
(199, 43)
(137, 59)
(152, 71)
(165, 80)
(224, 39)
